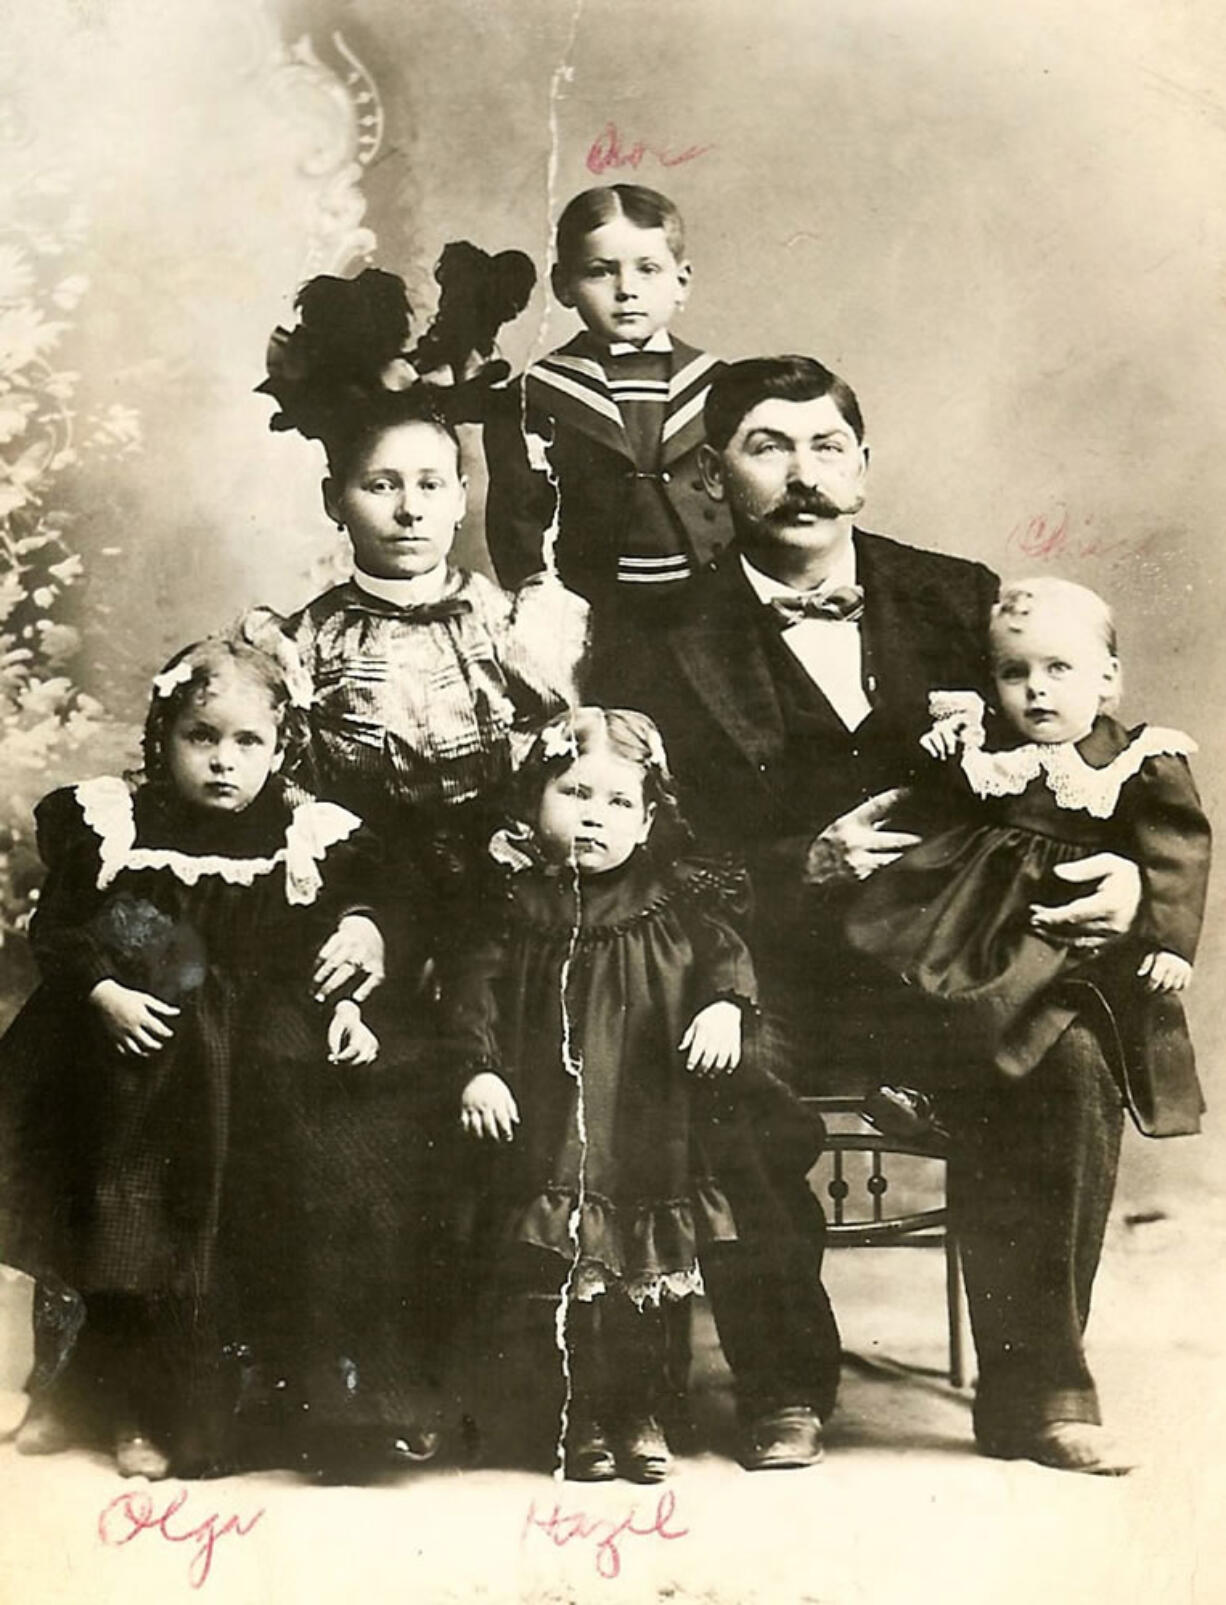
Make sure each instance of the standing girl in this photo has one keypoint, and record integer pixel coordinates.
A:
(185, 937)
(953, 915)
(611, 980)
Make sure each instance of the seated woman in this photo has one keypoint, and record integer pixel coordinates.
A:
(425, 679)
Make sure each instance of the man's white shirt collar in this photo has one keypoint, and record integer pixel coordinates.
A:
(830, 651)
(766, 588)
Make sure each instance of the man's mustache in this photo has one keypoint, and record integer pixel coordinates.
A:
(814, 502)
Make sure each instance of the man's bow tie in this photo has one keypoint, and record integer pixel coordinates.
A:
(845, 604)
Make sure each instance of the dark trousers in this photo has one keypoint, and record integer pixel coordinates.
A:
(1031, 1179)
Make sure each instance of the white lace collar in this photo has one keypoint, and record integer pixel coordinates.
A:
(1072, 782)
(314, 827)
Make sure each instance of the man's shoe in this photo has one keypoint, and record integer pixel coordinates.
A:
(1064, 1446)
(783, 1440)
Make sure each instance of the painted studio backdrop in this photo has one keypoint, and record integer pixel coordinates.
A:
(1005, 225)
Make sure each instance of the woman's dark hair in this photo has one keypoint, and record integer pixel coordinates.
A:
(346, 437)
(193, 673)
(738, 388)
(645, 208)
(628, 735)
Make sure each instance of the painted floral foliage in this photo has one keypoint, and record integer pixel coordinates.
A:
(51, 730)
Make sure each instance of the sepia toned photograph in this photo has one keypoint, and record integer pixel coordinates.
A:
(610, 735)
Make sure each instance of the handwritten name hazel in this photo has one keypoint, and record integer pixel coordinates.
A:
(135, 1512)
(604, 1534)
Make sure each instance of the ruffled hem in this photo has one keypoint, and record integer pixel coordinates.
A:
(648, 1252)
(314, 828)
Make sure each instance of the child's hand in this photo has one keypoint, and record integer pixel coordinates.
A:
(488, 1108)
(945, 736)
(1165, 972)
(134, 1021)
(713, 1039)
(350, 1039)
(354, 948)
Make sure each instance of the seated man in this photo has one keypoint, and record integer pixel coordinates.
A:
(792, 696)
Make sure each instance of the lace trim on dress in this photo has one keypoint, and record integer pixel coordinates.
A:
(314, 827)
(1073, 783)
(590, 1279)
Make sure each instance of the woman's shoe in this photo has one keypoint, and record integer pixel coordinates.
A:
(415, 1445)
(643, 1454)
(138, 1456)
(586, 1454)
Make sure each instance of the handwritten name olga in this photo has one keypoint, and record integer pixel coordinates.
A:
(605, 1535)
(135, 1512)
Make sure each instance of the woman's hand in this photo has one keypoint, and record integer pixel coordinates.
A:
(488, 1108)
(713, 1039)
(134, 1021)
(350, 1039)
(354, 948)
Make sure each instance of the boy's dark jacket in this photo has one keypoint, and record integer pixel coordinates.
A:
(565, 398)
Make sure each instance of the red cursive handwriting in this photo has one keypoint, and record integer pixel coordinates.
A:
(606, 151)
(133, 1512)
(562, 1527)
(1046, 536)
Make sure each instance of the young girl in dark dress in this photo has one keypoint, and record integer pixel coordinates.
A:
(164, 1095)
(612, 979)
(1051, 777)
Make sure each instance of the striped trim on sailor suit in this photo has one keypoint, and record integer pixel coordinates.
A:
(617, 518)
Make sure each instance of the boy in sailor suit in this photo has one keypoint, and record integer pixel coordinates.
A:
(593, 456)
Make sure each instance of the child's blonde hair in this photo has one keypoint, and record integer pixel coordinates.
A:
(1020, 598)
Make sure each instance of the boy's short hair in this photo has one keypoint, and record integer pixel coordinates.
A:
(740, 386)
(590, 210)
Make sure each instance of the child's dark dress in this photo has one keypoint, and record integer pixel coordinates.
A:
(578, 999)
(233, 1175)
(951, 917)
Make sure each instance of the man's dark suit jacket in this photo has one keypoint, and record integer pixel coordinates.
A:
(716, 683)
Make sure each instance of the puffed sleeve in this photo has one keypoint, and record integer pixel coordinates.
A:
(1170, 838)
(521, 501)
(543, 636)
(717, 899)
(67, 949)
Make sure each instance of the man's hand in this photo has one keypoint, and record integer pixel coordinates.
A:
(350, 1039)
(354, 948)
(134, 1021)
(1165, 972)
(855, 846)
(1103, 914)
(488, 1108)
(712, 1040)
